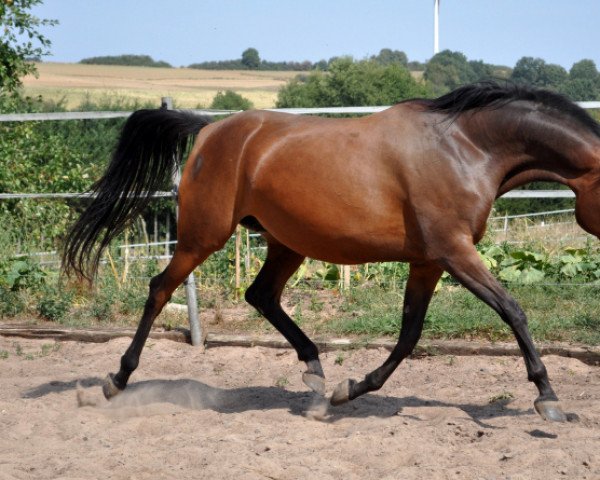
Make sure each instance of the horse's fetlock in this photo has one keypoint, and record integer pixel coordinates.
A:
(537, 373)
(129, 363)
(310, 352)
(374, 381)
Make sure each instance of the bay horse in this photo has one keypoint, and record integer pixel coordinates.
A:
(414, 183)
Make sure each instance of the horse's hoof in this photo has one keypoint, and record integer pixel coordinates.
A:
(550, 410)
(314, 382)
(109, 388)
(341, 394)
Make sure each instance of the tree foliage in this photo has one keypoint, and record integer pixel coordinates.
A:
(20, 40)
(387, 56)
(251, 59)
(351, 83)
(536, 72)
(448, 70)
(44, 157)
(583, 82)
(128, 59)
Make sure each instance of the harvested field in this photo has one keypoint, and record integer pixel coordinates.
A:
(190, 88)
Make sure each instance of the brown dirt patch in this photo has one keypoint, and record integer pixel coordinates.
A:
(243, 413)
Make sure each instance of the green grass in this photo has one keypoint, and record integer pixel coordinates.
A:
(556, 313)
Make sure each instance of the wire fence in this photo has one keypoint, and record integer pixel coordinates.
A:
(162, 250)
(242, 257)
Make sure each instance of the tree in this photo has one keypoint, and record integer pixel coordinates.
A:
(584, 70)
(536, 72)
(448, 70)
(527, 70)
(553, 76)
(581, 89)
(350, 83)
(481, 70)
(20, 40)
(387, 56)
(251, 59)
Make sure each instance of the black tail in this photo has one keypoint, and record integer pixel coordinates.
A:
(151, 145)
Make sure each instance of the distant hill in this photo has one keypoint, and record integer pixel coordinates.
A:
(130, 60)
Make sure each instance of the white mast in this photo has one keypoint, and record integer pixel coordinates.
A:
(436, 26)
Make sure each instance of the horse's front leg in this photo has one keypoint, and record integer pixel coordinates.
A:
(421, 283)
(466, 266)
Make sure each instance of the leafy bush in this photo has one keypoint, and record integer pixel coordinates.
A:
(11, 303)
(20, 273)
(230, 101)
(54, 304)
(529, 267)
(17, 276)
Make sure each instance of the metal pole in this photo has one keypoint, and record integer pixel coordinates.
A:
(189, 283)
(247, 257)
(238, 247)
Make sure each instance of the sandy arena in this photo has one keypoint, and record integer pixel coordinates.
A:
(244, 413)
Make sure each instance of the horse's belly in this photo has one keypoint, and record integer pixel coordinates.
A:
(341, 239)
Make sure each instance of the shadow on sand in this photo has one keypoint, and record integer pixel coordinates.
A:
(192, 394)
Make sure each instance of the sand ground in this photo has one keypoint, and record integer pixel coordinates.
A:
(243, 413)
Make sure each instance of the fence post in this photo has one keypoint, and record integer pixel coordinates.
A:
(247, 256)
(190, 284)
(346, 276)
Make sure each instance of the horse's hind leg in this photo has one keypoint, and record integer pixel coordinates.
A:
(421, 283)
(469, 270)
(265, 295)
(161, 288)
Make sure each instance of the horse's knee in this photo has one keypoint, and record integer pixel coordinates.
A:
(252, 296)
(155, 282)
(259, 298)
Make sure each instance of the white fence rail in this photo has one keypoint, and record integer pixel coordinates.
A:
(513, 194)
(29, 117)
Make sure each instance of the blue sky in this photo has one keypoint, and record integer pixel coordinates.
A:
(187, 31)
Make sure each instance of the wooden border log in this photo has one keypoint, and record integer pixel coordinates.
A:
(587, 354)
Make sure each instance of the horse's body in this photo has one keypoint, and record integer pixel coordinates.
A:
(414, 183)
(372, 185)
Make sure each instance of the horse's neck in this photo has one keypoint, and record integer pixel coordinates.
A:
(534, 146)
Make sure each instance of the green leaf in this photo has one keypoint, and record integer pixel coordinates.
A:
(532, 275)
(510, 274)
(570, 270)
(490, 262)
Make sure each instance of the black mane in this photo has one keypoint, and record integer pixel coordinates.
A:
(491, 95)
